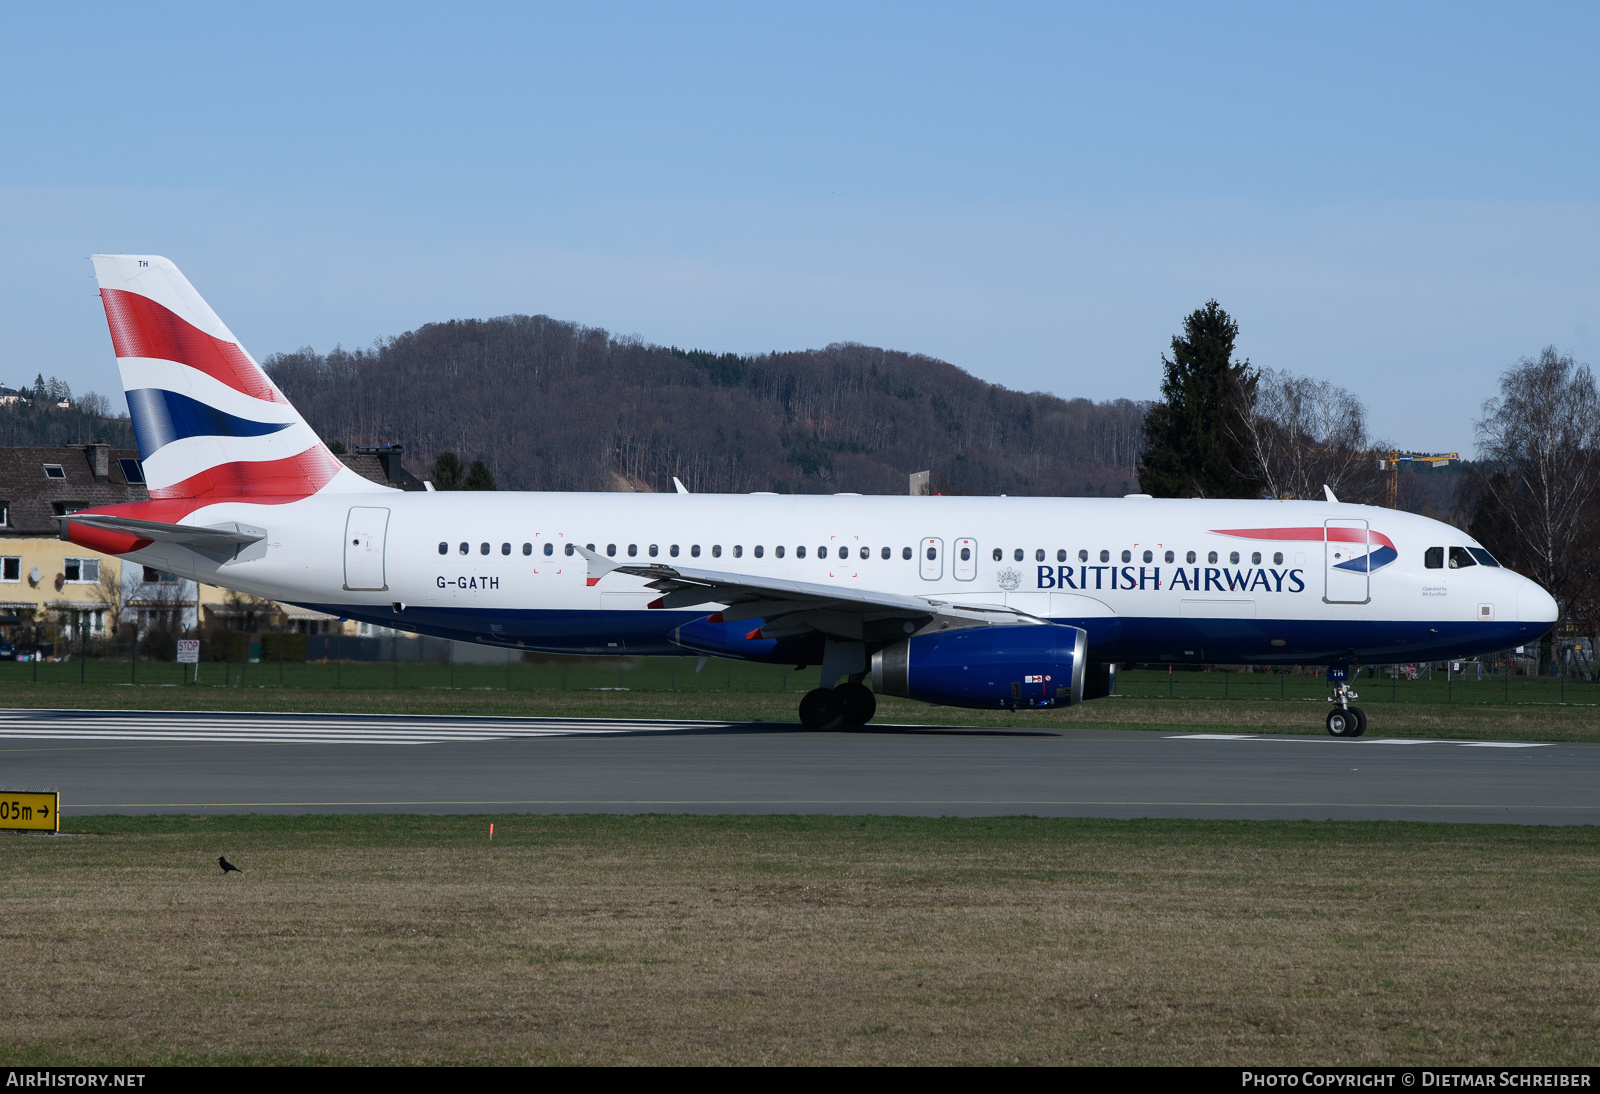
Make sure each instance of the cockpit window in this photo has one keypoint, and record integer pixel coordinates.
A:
(1460, 559)
(1483, 557)
(1433, 558)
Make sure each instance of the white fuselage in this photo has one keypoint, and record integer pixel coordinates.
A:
(475, 566)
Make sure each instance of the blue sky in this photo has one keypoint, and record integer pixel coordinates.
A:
(1398, 198)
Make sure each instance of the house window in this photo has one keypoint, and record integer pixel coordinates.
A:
(5, 514)
(54, 471)
(132, 473)
(11, 569)
(153, 576)
(81, 571)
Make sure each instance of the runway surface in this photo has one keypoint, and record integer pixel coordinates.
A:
(157, 761)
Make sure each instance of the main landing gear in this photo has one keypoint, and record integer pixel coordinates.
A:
(844, 707)
(1344, 720)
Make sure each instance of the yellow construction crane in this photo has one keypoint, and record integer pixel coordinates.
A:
(1390, 462)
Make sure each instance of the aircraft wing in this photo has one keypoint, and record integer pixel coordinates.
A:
(222, 542)
(788, 608)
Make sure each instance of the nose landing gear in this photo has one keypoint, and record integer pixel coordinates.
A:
(1344, 720)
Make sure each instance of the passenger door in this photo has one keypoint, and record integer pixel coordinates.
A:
(1345, 562)
(931, 555)
(365, 530)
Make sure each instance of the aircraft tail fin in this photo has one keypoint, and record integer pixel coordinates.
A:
(210, 422)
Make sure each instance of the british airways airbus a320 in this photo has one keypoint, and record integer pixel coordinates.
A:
(978, 602)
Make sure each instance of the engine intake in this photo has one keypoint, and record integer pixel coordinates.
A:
(1013, 665)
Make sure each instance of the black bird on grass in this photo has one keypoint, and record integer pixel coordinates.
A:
(226, 865)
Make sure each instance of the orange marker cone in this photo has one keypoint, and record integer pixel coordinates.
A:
(491, 829)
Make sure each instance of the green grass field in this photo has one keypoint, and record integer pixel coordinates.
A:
(582, 939)
(670, 688)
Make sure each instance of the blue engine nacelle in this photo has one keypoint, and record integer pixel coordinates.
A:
(1015, 665)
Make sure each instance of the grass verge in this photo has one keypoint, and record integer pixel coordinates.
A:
(603, 939)
(1458, 720)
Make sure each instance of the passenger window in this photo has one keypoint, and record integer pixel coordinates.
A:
(1105, 556)
(1171, 557)
(572, 549)
(866, 552)
(527, 548)
(905, 552)
(654, 550)
(444, 548)
(1189, 557)
(1038, 555)
(887, 552)
(1233, 558)
(822, 552)
(1016, 555)
(673, 550)
(716, 550)
(483, 548)
(966, 554)
(933, 553)
(759, 551)
(738, 551)
(1061, 555)
(611, 549)
(694, 552)
(1255, 558)
(1483, 557)
(464, 548)
(1211, 556)
(550, 549)
(505, 548)
(1460, 560)
(1277, 558)
(777, 552)
(1148, 557)
(799, 552)
(1127, 556)
(633, 550)
(1083, 556)
(999, 554)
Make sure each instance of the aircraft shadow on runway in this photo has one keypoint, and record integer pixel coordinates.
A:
(869, 730)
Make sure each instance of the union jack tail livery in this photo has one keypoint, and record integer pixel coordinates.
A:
(210, 424)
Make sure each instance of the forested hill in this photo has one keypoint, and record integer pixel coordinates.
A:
(557, 406)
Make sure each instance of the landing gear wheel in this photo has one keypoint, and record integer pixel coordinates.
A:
(859, 703)
(1361, 720)
(821, 709)
(1344, 723)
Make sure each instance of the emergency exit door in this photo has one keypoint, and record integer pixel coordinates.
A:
(931, 555)
(364, 533)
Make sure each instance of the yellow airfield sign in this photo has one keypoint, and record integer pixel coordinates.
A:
(36, 810)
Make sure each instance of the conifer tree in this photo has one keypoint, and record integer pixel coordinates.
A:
(479, 478)
(448, 472)
(1194, 437)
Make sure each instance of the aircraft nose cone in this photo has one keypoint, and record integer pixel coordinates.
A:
(1534, 605)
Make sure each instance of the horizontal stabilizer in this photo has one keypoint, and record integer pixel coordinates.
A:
(219, 542)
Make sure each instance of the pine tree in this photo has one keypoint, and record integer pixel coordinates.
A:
(38, 386)
(447, 472)
(479, 477)
(1194, 437)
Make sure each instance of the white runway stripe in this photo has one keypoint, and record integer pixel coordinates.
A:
(214, 727)
(1306, 737)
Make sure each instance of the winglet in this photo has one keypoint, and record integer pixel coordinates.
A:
(599, 565)
(677, 482)
(1328, 490)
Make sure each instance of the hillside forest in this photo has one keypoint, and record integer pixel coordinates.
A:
(550, 405)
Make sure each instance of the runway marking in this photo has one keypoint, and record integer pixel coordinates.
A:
(1308, 739)
(222, 727)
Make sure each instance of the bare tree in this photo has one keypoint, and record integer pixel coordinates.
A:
(1304, 434)
(1540, 439)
